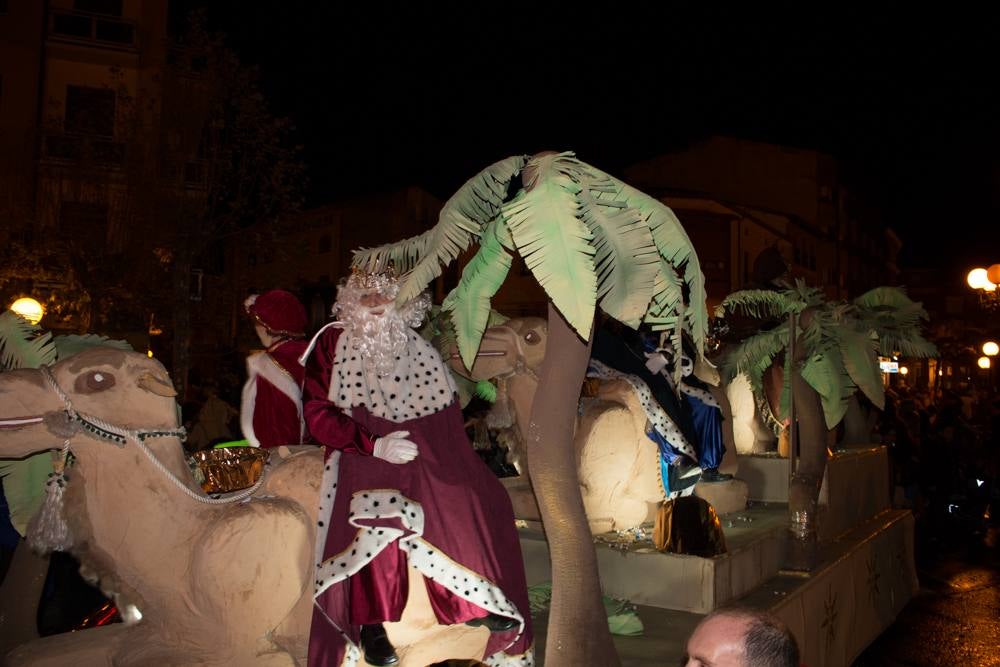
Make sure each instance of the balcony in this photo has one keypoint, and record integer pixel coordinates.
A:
(82, 149)
(92, 29)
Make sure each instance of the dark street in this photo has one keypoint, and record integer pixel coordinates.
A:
(955, 617)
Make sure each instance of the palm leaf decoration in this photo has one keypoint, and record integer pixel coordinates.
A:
(588, 239)
(26, 345)
(554, 243)
(462, 219)
(469, 303)
(22, 344)
(841, 340)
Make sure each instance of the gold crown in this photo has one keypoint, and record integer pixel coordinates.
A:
(373, 280)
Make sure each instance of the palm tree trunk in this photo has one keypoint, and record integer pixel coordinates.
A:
(578, 627)
(803, 489)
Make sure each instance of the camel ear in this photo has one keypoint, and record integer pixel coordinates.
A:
(155, 385)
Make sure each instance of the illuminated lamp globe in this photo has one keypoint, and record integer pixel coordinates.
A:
(991, 349)
(29, 309)
(993, 274)
(977, 278)
(984, 362)
(903, 370)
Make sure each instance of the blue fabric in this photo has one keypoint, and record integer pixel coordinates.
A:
(668, 455)
(708, 424)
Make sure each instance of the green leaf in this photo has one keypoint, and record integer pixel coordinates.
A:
(675, 247)
(826, 374)
(69, 345)
(24, 487)
(754, 355)
(759, 303)
(22, 344)
(858, 351)
(626, 258)
(462, 219)
(469, 302)
(554, 243)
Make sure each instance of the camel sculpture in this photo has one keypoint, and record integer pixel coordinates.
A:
(199, 583)
(618, 465)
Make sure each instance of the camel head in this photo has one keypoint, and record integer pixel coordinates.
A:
(127, 389)
(519, 341)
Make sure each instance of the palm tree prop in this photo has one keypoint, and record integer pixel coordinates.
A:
(590, 241)
(836, 348)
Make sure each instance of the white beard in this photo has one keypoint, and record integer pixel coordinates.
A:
(377, 339)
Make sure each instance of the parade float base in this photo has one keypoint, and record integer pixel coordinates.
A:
(855, 487)
(864, 579)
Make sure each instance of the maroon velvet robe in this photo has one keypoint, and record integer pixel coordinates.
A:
(444, 513)
(270, 410)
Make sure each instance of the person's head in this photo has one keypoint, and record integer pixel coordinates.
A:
(277, 315)
(742, 638)
(366, 305)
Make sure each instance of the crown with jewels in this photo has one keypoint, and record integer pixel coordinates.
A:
(378, 280)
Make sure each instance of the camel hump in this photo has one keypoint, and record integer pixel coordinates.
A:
(253, 562)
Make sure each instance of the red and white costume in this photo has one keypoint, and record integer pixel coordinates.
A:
(271, 405)
(444, 512)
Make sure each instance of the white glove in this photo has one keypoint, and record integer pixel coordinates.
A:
(395, 448)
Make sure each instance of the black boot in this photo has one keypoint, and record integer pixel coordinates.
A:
(378, 649)
(494, 623)
(713, 475)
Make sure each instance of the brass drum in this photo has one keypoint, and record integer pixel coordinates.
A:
(230, 468)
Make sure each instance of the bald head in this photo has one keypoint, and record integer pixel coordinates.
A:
(742, 638)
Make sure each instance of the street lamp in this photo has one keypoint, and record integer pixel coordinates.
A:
(990, 348)
(29, 309)
(985, 282)
(984, 363)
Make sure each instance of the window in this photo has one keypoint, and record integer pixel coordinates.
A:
(90, 111)
(107, 7)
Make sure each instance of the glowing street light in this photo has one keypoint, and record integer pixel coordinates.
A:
(29, 309)
(984, 362)
(903, 370)
(990, 348)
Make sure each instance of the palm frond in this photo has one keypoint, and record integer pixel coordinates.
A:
(826, 374)
(24, 487)
(462, 218)
(469, 302)
(758, 303)
(626, 259)
(754, 355)
(858, 352)
(68, 345)
(554, 243)
(675, 247)
(22, 344)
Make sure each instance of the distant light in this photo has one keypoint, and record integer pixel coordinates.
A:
(904, 370)
(990, 349)
(984, 362)
(980, 482)
(149, 353)
(29, 309)
(977, 279)
(940, 372)
(952, 507)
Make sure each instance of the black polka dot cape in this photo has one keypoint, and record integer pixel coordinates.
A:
(444, 513)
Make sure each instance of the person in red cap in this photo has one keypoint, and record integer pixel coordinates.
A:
(271, 407)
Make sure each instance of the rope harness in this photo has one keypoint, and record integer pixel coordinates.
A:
(120, 436)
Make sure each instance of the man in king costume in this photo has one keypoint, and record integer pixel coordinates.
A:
(271, 405)
(402, 487)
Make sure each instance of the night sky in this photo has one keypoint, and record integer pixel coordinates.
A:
(385, 95)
